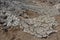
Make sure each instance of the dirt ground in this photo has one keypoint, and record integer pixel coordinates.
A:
(18, 34)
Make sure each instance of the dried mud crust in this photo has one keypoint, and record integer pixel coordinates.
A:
(26, 23)
(40, 26)
(18, 34)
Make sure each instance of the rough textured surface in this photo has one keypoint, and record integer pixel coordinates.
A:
(41, 24)
(7, 19)
(39, 9)
(17, 34)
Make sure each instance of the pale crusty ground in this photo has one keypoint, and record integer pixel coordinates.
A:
(18, 34)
